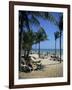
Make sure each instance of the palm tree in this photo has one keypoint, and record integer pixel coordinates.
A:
(23, 21)
(41, 36)
(60, 30)
(27, 18)
(30, 38)
(56, 35)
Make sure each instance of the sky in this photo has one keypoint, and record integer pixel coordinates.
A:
(50, 28)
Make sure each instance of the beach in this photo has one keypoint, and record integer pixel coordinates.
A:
(50, 68)
(40, 44)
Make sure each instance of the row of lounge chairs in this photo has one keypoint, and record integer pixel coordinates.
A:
(55, 58)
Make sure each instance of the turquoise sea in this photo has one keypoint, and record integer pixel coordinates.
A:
(49, 51)
(46, 51)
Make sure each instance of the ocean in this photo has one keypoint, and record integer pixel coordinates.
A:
(45, 51)
(48, 51)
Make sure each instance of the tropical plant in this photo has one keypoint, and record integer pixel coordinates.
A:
(30, 38)
(56, 35)
(23, 22)
(27, 19)
(28, 41)
(60, 25)
(41, 36)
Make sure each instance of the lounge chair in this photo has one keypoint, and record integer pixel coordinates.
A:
(35, 60)
(55, 58)
(26, 68)
(36, 63)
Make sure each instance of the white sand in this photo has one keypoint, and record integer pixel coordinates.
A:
(51, 69)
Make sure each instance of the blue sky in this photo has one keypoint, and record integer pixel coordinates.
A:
(50, 28)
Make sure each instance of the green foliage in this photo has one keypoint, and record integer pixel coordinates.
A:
(41, 35)
(34, 20)
(57, 35)
(61, 23)
(30, 38)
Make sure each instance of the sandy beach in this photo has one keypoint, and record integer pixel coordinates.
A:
(50, 68)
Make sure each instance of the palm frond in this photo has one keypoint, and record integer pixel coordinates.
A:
(34, 21)
(41, 35)
(57, 35)
(61, 23)
(52, 19)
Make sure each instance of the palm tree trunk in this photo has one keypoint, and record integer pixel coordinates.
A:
(39, 49)
(28, 51)
(24, 53)
(20, 41)
(60, 46)
(20, 35)
(55, 47)
(35, 47)
(27, 57)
